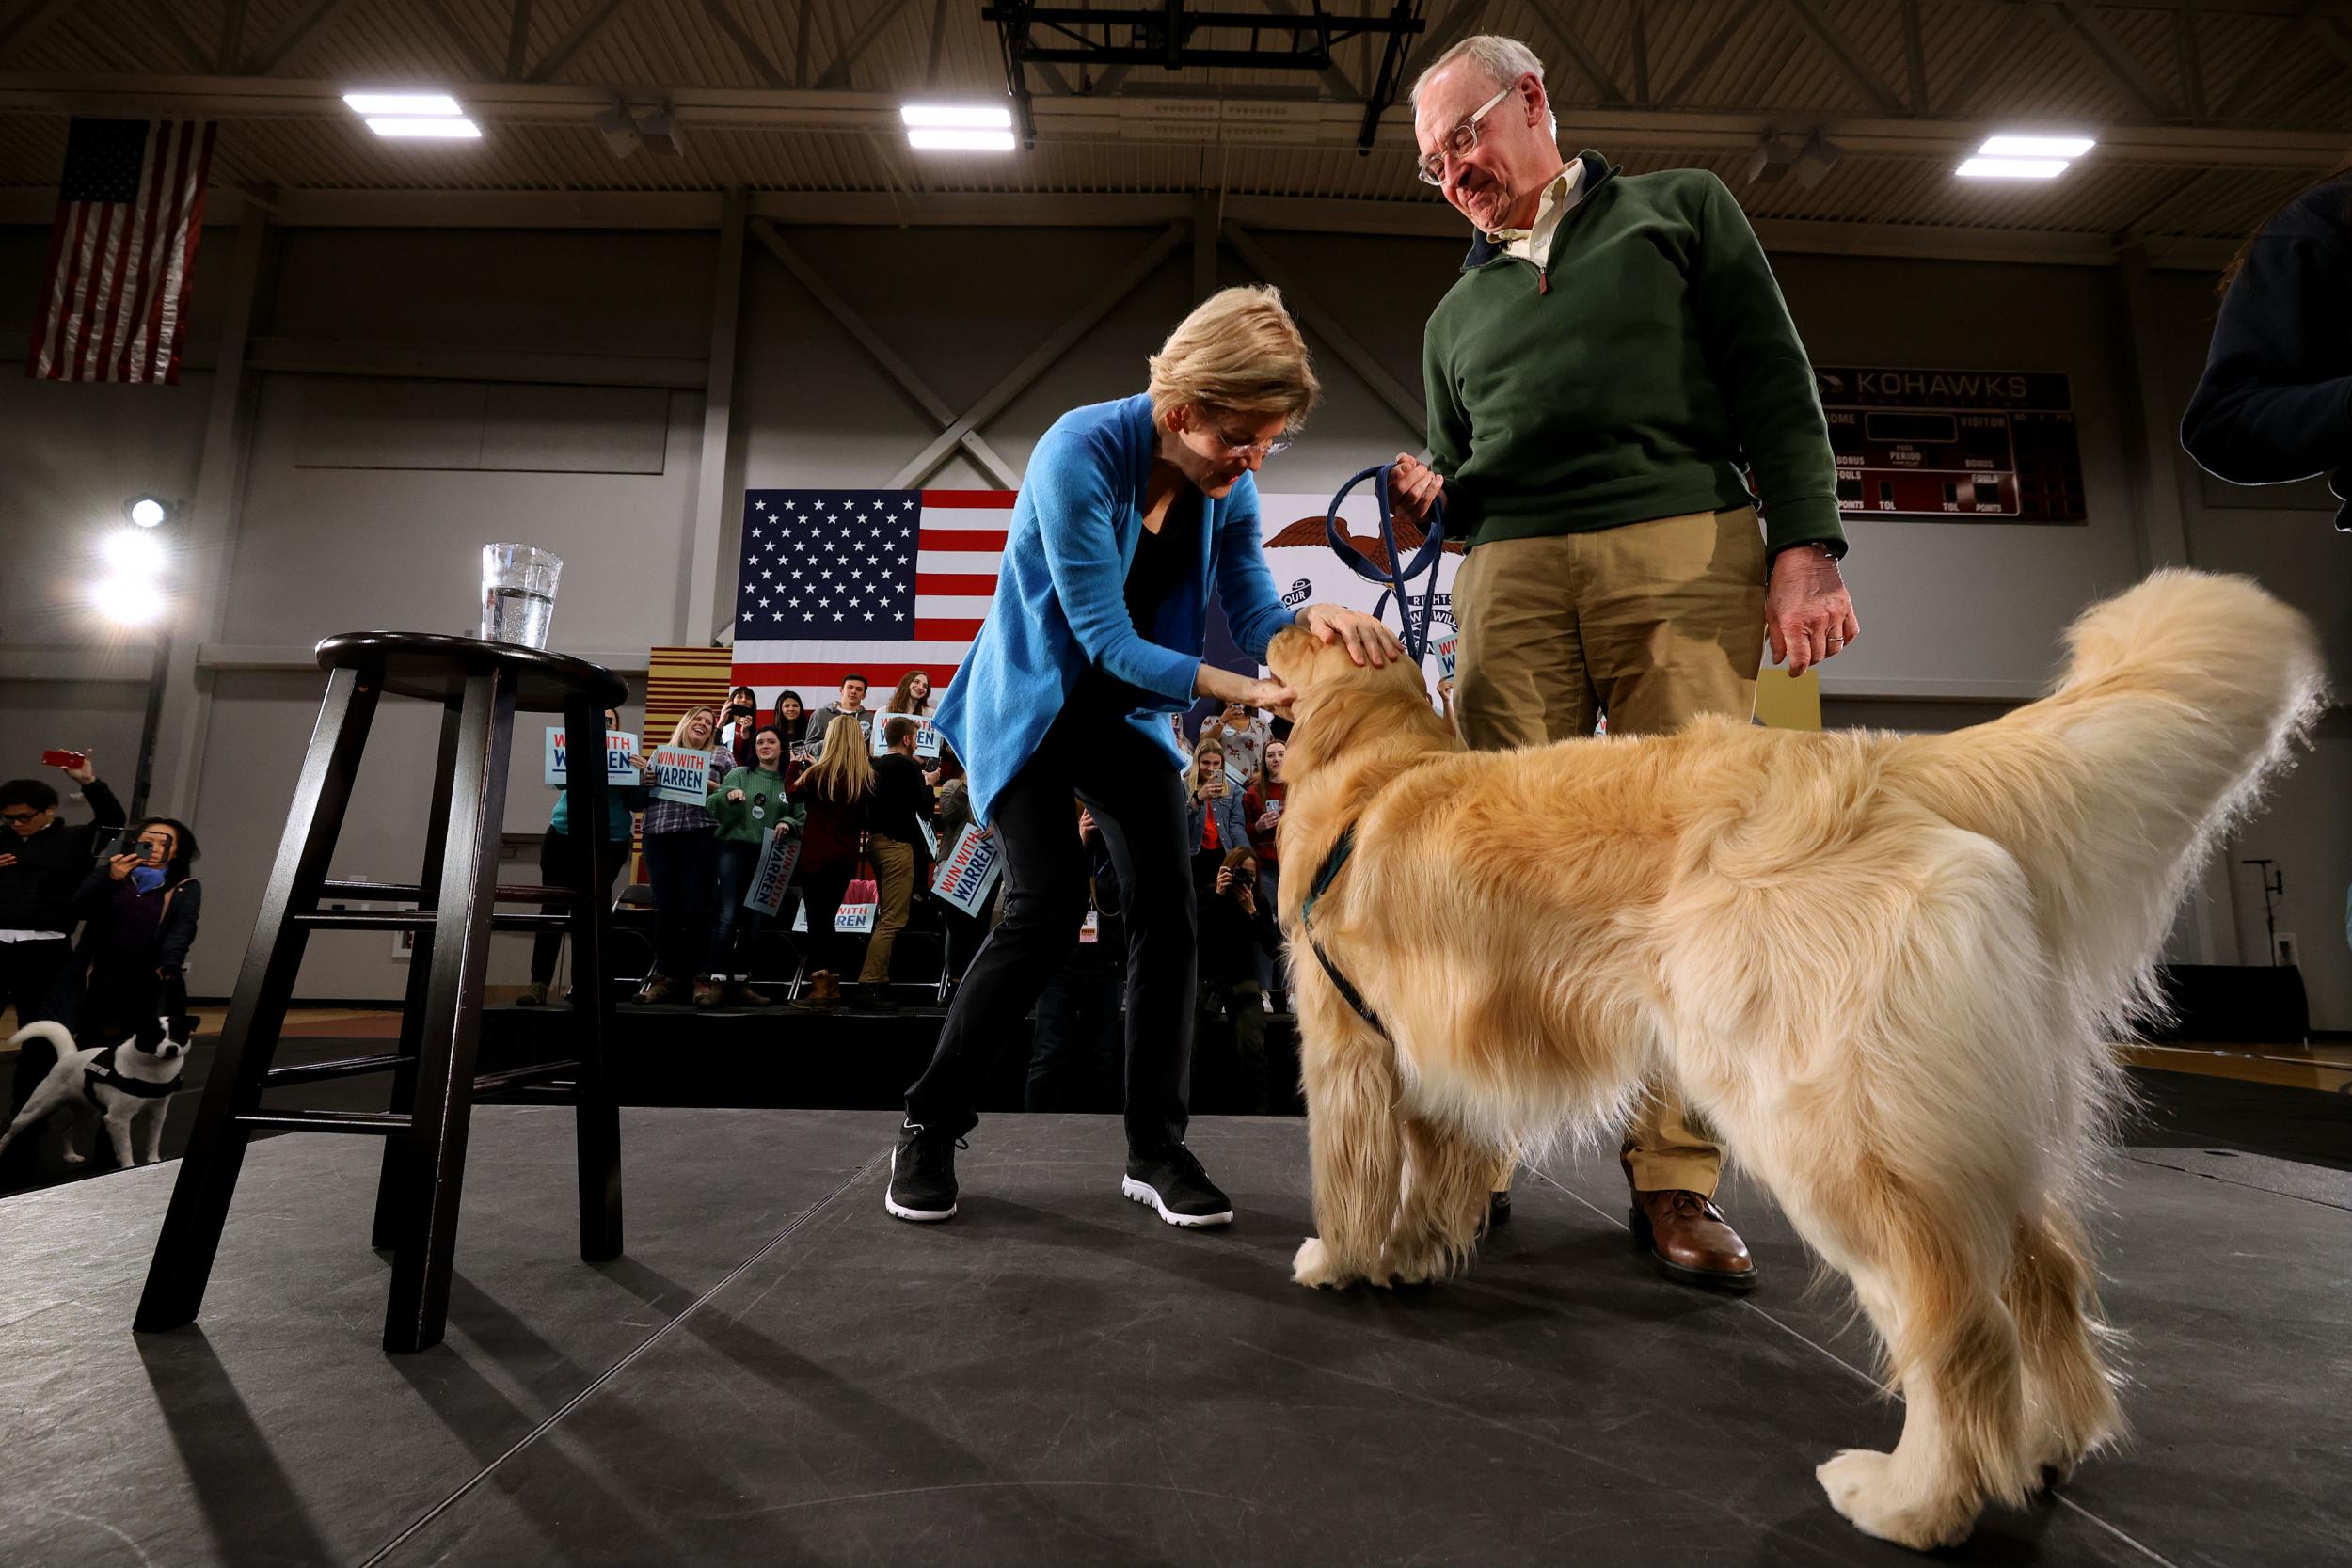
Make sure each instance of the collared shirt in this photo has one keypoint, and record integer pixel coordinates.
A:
(1559, 199)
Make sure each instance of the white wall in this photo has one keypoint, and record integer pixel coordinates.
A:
(1949, 609)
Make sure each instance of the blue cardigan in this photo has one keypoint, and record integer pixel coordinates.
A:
(1061, 604)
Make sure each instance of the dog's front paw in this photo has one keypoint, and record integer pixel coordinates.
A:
(1862, 1485)
(1314, 1268)
(73, 1159)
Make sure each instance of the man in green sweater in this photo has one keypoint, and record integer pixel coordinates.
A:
(1613, 364)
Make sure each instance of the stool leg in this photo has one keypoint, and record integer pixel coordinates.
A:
(385, 1232)
(182, 1264)
(425, 1223)
(597, 1115)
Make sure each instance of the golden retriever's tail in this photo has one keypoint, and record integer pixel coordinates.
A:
(2182, 698)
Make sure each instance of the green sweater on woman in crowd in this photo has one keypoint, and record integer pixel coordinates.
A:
(762, 807)
(1632, 375)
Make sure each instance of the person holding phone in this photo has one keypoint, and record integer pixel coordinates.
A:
(1217, 824)
(141, 907)
(748, 807)
(736, 723)
(560, 855)
(42, 861)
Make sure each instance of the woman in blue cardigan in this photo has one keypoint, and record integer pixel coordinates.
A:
(1131, 513)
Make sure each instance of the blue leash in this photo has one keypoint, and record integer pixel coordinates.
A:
(1398, 572)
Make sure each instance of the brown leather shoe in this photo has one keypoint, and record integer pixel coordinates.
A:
(1691, 1242)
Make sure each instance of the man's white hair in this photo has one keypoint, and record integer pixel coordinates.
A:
(1500, 61)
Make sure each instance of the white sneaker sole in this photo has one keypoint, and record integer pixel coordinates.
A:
(899, 1211)
(1142, 1191)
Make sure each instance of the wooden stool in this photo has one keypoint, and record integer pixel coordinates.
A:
(479, 685)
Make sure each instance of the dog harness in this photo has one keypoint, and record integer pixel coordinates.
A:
(100, 1073)
(1324, 876)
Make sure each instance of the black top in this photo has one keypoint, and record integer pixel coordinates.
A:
(1163, 561)
(900, 799)
(1231, 941)
(36, 893)
(2275, 403)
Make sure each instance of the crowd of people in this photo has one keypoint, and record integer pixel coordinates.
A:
(95, 917)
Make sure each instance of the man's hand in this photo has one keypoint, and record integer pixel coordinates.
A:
(1807, 611)
(6, 861)
(1368, 642)
(87, 773)
(1414, 490)
(119, 866)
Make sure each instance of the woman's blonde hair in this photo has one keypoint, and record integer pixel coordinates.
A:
(1200, 748)
(1238, 352)
(845, 771)
(677, 731)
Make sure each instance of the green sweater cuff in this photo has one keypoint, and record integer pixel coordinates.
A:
(1802, 520)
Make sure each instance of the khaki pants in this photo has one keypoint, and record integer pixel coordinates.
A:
(894, 879)
(1653, 624)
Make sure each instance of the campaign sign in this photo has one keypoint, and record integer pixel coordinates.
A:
(620, 758)
(855, 920)
(926, 738)
(681, 774)
(777, 857)
(1446, 648)
(969, 870)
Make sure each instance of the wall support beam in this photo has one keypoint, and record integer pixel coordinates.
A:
(713, 480)
(881, 353)
(209, 548)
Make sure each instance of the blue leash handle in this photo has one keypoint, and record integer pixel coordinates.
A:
(1398, 572)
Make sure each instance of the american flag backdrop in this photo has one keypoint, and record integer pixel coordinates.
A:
(830, 583)
(130, 210)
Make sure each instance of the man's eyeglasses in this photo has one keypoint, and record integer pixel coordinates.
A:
(1242, 446)
(20, 816)
(1459, 142)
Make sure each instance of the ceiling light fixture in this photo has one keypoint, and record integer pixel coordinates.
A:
(2011, 168)
(404, 128)
(2036, 146)
(403, 103)
(960, 141)
(956, 116)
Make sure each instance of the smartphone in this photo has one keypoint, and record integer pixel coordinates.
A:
(62, 759)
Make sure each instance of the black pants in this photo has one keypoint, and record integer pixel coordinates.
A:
(821, 892)
(1136, 794)
(684, 869)
(560, 855)
(35, 976)
(735, 927)
(1073, 1059)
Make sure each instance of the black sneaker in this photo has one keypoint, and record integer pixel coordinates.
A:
(922, 1176)
(1174, 1183)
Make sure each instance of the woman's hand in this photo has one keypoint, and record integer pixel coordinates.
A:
(119, 866)
(734, 795)
(1249, 901)
(1368, 642)
(1224, 880)
(1414, 490)
(1267, 819)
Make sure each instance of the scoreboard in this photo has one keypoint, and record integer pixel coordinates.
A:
(1953, 446)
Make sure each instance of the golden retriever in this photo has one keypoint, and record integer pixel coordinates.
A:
(1883, 968)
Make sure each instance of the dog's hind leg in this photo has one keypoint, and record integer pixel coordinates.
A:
(1352, 1137)
(1954, 1351)
(1447, 1180)
(37, 1104)
(2070, 1407)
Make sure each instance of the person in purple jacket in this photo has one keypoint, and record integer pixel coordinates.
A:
(1131, 513)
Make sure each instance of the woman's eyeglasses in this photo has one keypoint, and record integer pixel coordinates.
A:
(1459, 142)
(1242, 446)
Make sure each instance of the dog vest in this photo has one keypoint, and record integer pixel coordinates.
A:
(1324, 876)
(100, 1072)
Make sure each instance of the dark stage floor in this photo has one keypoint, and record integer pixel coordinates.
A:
(777, 1372)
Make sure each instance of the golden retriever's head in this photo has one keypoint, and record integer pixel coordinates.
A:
(1343, 704)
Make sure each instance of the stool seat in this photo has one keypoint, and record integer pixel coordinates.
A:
(433, 666)
(479, 685)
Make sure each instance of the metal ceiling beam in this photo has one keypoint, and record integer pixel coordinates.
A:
(231, 37)
(289, 36)
(159, 15)
(2188, 59)
(1839, 51)
(477, 64)
(1459, 24)
(2263, 69)
(1916, 59)
(1638, 28)
(1342, 86)
(1129, 118)
(559, 54)
(1997, 48)
(724, 18)
(1707, 52)
(837, 73)
(1405, 404)
(518, 39)
(2337, 35)
(2091, 40)
(1586, 61)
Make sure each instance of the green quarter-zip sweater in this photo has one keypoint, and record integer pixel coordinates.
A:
(1634, 374)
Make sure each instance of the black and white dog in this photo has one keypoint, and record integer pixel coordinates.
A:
(118, 1082)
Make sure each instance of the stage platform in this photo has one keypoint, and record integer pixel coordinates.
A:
(778, 1372)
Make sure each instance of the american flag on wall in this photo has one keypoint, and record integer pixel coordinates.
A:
(832, 584)
(130, 210)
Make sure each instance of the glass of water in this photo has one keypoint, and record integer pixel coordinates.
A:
(518, 594)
